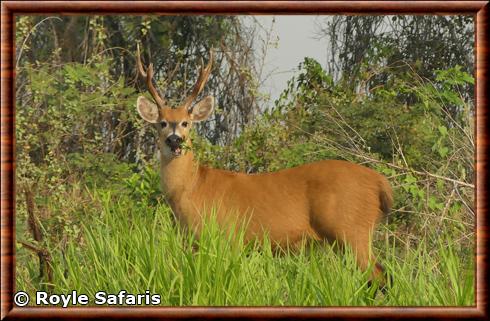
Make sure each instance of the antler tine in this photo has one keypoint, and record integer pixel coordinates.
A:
(148, 74)
(201, 80)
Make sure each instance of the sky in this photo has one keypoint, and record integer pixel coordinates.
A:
(296, 40)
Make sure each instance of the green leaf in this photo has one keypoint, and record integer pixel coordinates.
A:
(442, 130)
(443, 151)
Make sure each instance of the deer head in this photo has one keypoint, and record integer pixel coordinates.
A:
(174, 124)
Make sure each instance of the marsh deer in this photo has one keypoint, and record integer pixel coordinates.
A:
(328, 200)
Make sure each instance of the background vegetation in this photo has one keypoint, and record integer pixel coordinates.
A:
(396, 96)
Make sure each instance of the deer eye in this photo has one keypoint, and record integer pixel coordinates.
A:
(185, 124)
(163, 124)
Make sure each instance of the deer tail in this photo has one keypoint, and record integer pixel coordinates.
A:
(385, 197)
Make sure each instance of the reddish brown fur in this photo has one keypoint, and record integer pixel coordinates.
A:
(326, 200)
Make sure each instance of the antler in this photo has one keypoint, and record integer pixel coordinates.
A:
(148, 74)
(201, 81)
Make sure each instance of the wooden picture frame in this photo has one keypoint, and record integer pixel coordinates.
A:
(479, 9)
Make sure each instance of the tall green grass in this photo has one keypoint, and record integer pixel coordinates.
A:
(138, 247)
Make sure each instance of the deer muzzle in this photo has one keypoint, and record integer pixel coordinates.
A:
(174, 142)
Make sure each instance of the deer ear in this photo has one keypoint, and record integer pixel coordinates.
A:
(147, 110)
(202, 109)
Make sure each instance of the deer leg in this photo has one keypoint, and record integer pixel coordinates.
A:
(361, 246)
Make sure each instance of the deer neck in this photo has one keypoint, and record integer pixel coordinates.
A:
(177, 175)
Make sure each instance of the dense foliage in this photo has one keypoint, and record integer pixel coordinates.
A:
(87, 183)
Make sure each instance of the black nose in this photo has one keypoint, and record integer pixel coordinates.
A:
(173, 141)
